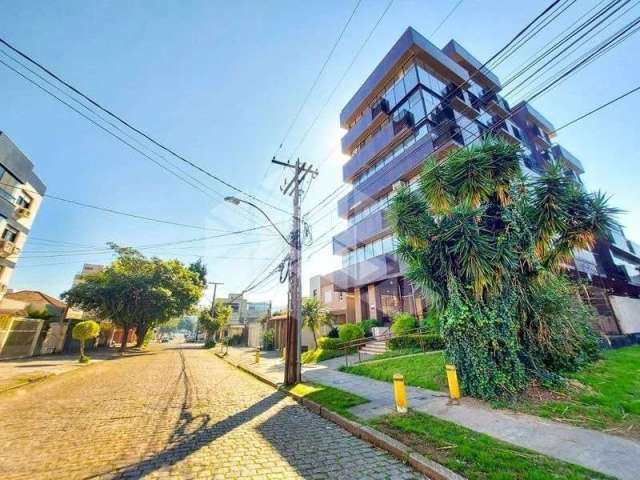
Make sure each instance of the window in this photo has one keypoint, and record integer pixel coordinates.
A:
(24, 200)
(10, 234)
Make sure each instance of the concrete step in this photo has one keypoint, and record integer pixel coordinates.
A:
(374, 348)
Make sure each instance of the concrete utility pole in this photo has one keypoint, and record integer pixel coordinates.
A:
(213, 301)
(292, 373)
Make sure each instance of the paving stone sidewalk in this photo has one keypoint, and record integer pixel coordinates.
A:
(608, 454)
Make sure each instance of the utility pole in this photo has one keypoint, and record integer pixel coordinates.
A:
(292, 373)
(213, 301)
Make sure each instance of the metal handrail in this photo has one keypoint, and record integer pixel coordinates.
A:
(359, 342)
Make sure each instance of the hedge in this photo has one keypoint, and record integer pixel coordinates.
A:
(350, 331)
(327, 343)
(417, 341)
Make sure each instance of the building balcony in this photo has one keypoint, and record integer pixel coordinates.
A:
(481, 74)
(389, 135)
(529, 114)
(410, 44)
(366, 272)
(458, 101)
(502, 129)
(402, 167)
(559, 152)
(362, 232)
(495, 104)
(371, 118)
(404, 122)
(540, 138)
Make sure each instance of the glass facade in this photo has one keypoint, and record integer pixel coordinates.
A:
(369, 250)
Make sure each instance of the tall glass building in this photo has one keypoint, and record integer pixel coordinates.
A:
(410, 107)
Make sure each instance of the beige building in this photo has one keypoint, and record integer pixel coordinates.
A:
(21, 193)
(340, 304)
(87, 268)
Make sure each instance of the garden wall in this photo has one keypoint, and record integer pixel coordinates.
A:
(627, 311)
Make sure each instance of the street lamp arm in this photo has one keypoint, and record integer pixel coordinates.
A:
(236, 201)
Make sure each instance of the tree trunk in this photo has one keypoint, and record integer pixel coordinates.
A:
(315, 340)
(142, 333)
(125, 337)
(81, 349)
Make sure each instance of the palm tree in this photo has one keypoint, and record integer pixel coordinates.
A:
(477, 237)
(315, 316)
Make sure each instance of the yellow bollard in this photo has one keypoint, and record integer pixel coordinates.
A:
(452, 379)
(400, 393)
(258, 355)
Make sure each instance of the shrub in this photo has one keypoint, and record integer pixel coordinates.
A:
(333, 333)
(235, 340)
(83, 331)
(209, 344)
(328, 343)
(319, 355)
(350, 331)
(367, 325)
(432, 321)
(416, 341)
(402, 323)
(268, 340)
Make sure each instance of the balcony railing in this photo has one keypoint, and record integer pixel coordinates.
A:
(495, 104)
(403, 122)
(381, 106)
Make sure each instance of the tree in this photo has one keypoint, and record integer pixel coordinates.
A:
(484, 243)
(208, 323)
(222, 315)
(136, 292)
(315, 316)
(83, 331)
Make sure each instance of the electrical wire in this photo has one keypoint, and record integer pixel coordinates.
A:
(127, 124)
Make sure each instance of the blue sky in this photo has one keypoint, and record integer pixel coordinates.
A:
(220, 82)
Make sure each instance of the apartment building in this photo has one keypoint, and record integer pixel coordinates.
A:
(21, 193)
(244, 312)
(410, 107)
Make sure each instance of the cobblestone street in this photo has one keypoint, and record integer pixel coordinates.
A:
(174, 413)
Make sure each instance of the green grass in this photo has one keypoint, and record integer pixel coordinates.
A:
(610, 401)
(333, 399)
(393, 354)
(320, 354)
(425, 370)
(475, 455)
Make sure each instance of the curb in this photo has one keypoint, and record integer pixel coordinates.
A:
(397, 449)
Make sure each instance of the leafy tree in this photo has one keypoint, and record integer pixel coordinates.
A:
(137, 292)
(483, 242)
(42, 314)
(83, 331)
(208, 323)
(222, 315)
(315, 316)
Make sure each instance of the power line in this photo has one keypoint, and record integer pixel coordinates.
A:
(129, 125)
(335, 88)
(317, 79)
(458, 88)
(597, 109)
(606, 45)
(451, 12)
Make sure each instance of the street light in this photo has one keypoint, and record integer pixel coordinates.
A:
(238, 201)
